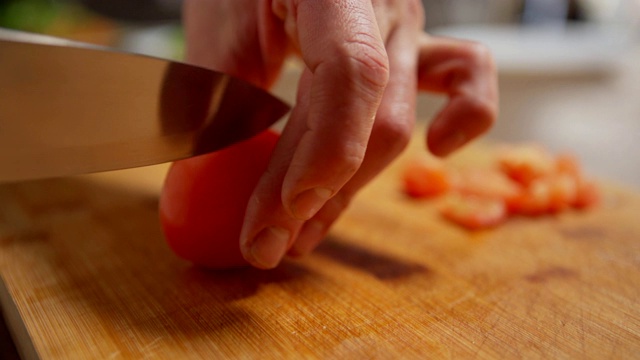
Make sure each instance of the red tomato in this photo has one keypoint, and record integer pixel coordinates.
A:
(525, 163)
(568, 164)
(474, 212)
(550, 194)
(204, 199)
(424, 178)
(587, 194)
(523, 179)
(563, 191)
(486, 182)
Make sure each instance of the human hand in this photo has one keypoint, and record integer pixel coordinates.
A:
(355, 108)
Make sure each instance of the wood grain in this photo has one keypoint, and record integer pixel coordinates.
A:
(90, 277)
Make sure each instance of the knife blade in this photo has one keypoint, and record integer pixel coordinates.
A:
(70, 108)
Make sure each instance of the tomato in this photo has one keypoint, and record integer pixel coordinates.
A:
(521, 179)
(204, 199)
(587, 194)
(568, 164)
(525, 163)
(486, 182)
(474, 212)
(550, 194)
(563, 191)
(425, 178)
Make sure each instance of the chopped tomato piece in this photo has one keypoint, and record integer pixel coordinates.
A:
(587, 194)
(486, 182)
(563, 189)
(548, 194)
(474, 212)
(526, 163)
(522, 180)
(426, 178)
(534, 200)
(568, 164)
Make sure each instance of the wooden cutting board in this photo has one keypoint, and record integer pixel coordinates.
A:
(87, 275)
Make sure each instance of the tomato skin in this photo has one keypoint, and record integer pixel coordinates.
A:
(204, 199)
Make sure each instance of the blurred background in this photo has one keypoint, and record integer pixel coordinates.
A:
(569, 70)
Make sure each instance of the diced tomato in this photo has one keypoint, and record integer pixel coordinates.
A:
(524, 180)
(568, 164)
(526, 163)
(534, 200)
(474, 212)
(426, 178)
(587, 194)
(563, 189)
(550, 194)
(486, 182)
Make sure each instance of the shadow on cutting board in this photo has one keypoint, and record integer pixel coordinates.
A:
(381, 266)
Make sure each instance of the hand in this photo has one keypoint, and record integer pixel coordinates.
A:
(355, 108)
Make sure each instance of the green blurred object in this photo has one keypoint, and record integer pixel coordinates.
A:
(38, 15)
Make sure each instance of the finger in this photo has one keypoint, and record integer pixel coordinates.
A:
(240, 37)
(386, 13)
(268, 230)
(391, 132)
(466, 73)
(350, 72)
(339, 74)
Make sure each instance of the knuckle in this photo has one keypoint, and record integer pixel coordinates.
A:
(473, 60)
(367, 62)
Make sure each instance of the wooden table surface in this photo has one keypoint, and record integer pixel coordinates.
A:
(88, 275)
(85, 280)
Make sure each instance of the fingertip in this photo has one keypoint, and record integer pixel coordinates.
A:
(447, 144)
(267, 248)
(462, 120)
(307, 203)
(310, 237)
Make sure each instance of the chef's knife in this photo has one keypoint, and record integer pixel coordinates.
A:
(70, 108)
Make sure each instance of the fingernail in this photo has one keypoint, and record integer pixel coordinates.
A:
(452, 142)
(309, 202)
(310, 236)
(269, 246)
